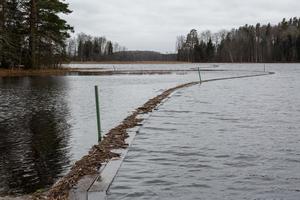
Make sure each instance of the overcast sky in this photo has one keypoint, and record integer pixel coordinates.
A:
(155, 24)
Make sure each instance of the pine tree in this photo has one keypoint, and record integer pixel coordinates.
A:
(3, 38)
(260, 43)
(298, 47)
(32, 34)
(210, 50)
(11, 41)
(51, 31)
(109, 48)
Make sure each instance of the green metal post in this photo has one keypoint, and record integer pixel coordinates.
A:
(200, 80)
(98, 113)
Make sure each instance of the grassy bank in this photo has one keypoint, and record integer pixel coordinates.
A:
(79, 72)
(33, 72)
(128, 62)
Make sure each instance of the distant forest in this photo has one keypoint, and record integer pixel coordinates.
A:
(260, 43)
(142, 56)
(34, 35)
(85, 48)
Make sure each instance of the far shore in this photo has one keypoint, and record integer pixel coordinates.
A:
(34, 72)
(92, 70)
(77, 71)
(126, 62)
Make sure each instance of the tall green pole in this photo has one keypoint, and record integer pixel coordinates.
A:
(98, 113)
(200, 80)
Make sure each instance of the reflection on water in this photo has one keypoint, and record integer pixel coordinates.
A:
(34, 133)
(47, 123)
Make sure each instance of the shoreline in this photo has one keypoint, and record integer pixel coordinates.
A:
(33, 72)
(171, 62)
(88, 72)
(76, 71)
(126, 62)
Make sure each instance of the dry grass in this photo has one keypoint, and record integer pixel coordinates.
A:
(33, 72)
(128, 62)
(78, 71)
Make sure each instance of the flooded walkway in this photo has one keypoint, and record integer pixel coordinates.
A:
(48, 123)
(232, 139)
(54, 119)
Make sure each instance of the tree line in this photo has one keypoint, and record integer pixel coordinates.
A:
(85, 47)
(32, 33)
(260, 43)
(142, 56)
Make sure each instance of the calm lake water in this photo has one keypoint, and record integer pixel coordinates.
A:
(47, 123)
(231, 139)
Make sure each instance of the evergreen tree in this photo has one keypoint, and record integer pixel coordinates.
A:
(210, 50)
(52, 31)
(298, 48)
(109, 48)
(11, 39)
(32, 32)
(260, 43)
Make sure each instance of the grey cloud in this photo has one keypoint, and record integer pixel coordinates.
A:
(154, 24)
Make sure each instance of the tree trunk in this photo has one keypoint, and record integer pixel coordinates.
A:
(2, 7)
(2, 26)
(33, 35)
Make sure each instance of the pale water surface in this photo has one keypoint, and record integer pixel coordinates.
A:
(47, 123)
(231, 139)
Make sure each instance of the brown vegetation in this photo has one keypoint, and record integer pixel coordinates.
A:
(128, 62)
(77, 71)
(34, 72)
